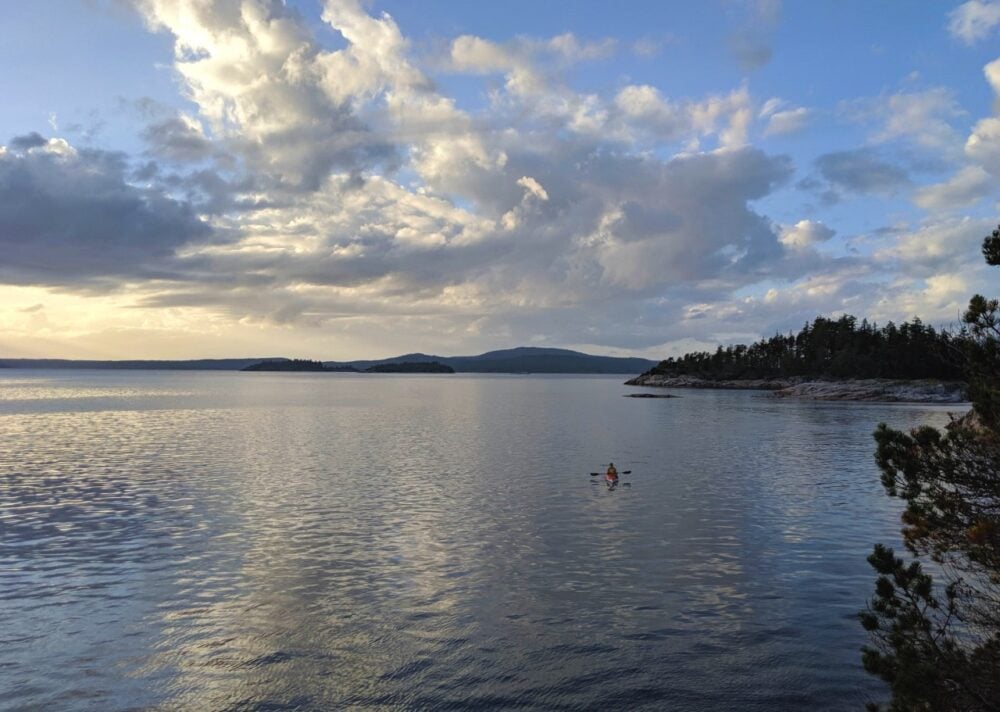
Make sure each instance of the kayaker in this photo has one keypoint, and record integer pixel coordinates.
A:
(612, 473)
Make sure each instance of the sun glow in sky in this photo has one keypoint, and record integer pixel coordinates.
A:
(343, 179)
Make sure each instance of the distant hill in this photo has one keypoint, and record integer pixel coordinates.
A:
(411, 367)
(524, 359)
(204, 364)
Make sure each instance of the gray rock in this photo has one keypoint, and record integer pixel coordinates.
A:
(883, 390)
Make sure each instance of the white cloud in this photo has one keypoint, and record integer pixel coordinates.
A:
(975, 20)
(967, 186)
(937, 247)
(647, 47)
(983, 145)
(786, 122)
(570, 49)
(922, 117)
(804, 233)
(992, 72)
(648, 112)
(474, 54)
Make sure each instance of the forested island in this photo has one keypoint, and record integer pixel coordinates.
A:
(295, 365)
(830, 359)
(306, 365)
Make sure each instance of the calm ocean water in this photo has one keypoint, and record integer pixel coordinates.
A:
(228, 541)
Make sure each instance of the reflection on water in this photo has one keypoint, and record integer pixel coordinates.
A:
(318, 541)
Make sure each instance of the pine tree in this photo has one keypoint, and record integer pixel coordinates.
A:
(938, 644)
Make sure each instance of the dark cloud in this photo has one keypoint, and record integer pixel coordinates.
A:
(27, 141)
(70, 219)
(146, 172)
(177, 140)
(821, 189)
(751, 43)
(861, 171)
(751, 52)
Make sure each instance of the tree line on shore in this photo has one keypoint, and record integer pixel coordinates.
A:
(832, 348)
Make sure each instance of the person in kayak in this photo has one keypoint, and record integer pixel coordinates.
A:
(612, 474)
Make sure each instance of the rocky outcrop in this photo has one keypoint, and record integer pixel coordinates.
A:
(660, 381)
(881, 390)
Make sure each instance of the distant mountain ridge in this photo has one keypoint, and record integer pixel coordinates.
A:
(523, 359)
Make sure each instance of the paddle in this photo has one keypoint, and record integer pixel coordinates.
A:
(598, 474)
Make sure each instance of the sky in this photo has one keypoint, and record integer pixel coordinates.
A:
(336, 179)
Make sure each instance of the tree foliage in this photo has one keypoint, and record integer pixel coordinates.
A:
(833, 348)
(938, 645)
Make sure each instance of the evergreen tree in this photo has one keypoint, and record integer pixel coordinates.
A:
(938, 644)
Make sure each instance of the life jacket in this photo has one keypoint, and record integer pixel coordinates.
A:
(612, 474)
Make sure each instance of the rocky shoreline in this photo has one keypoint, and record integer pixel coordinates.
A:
(877, 390)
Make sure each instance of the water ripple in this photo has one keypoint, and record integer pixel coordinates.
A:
(292, 542)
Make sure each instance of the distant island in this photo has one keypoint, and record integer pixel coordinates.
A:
(828, 360)
(295, 364)
(305, 365)
(524, 359)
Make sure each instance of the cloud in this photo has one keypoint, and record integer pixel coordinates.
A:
(964, 188)
(570, 49)
(264, 86)
(992, 72)
(477, 55)
(920, 117)
(751, 43)
(648, 47)
(69, 218)
(805, 233)
(983, 144)
(179, 138)
(861, 171)
(28, 141)
(945, 246)
(647, 112)
(975, 20)
(785, 121)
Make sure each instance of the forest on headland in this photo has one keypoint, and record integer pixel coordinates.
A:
(831, 348)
